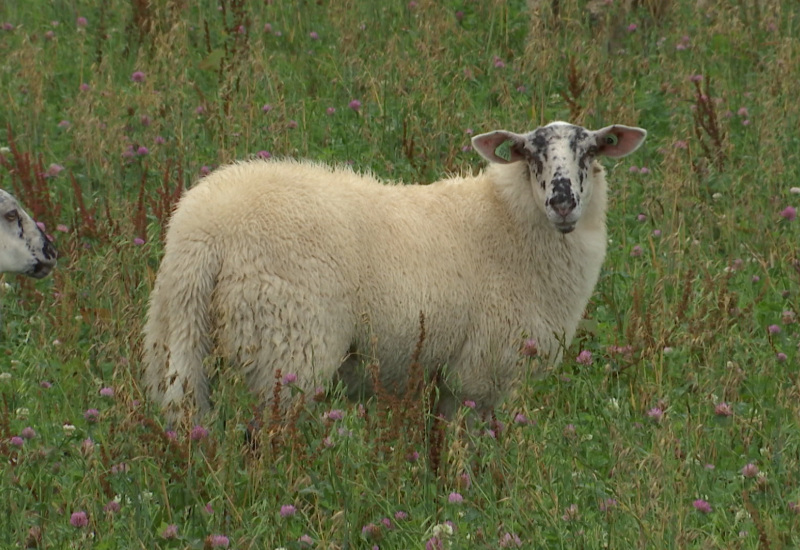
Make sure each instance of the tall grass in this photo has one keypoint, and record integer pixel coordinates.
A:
(673, 422)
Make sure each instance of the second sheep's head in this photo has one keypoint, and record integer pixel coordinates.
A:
(560, 157)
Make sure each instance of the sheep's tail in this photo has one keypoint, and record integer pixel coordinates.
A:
(177, 335)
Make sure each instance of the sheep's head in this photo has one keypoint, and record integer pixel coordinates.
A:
(24, 248)
(560, 158)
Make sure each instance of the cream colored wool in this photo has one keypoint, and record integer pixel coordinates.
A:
(307, 268)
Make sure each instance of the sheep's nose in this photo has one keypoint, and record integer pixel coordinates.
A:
(49, 250)
(563, 204)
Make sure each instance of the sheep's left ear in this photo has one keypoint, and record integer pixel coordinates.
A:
(618, 140)
(500, 146)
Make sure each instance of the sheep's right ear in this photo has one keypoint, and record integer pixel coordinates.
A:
(500, 146)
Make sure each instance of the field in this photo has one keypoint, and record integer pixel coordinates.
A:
(673, 421)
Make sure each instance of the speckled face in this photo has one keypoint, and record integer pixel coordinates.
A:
(560, 156)
(24, 248)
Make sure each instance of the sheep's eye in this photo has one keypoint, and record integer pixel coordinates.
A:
(611, 139)
(12, 216)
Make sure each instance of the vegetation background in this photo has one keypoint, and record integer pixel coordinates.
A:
(673, 422)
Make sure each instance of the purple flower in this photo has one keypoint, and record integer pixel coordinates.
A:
(142, 151)
(608, 504)
(313, 35)
(434, 543)
(400, 515)
(292, 124)
(521, 419)
(198, 433)
(138, 76)
(702, 506)
(789, 213)
(355, 105)
(17, 441)
(138, 241)
(530, 348)
(644, 170)
(636, 251)
(455, 498)
(469, 404)
(264, 154)
(510, 540)
(723, 409)
(81, 22)
(206, 170)
(498, 63)
(413, 456)
(92, 415)
(750, 470)
(571, 513)
(306, 541)
(53, 170)
(781, 357)
(8, 26)
(62, 228)
(159, 140)
(774, 329)
(217, 541)
(290, 378)
(584, 357)
(656, 233)
(696, 78)
(681, 144)
(656, 414)
(632, 27)
(64, 124)
(28, 433)
(288, 510)
(334, 414)
(79, 519)
(107, 392)
(641, 217)
(84, 87)
(743, 112)
(266, 108)
(330, 110)
(200, 109)
(371, 530)
(170, 532)
(112, 507)
(45, 384)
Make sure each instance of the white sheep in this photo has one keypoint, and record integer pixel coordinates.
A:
(315, 270)
(24, 248)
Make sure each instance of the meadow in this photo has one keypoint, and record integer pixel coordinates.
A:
(673, 421)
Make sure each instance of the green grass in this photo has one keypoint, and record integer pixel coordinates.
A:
(590, 463)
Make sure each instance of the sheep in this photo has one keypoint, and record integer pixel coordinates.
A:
(314, 270)
(24, 248)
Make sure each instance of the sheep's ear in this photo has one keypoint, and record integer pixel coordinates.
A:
(500, 146)
(618, 140)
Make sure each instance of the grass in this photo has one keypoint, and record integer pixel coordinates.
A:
(641, 439)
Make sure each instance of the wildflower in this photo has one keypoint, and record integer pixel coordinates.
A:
(241, 29)
(290, 378)
(206, 170)
(53, 170)
(723, 409)
(633, 169)
(217, 541)
(107, 392)
(571, 513)
(788, 317)
(49, 35)
(159, 140)
(313, 35)
(288, 510)
(138, 241)
(681, 144)
(355, 105)
(774, 329)
(142, 151)
(200, 109)
(84, 87)
(138, 76)
(749, 470)
(644, 170)
(68, 428)
(510, 540)
(64, 124)
(789, 213)
(400, 515)
(62, 228)
(498, 63)
(746, 122)
(656, 414)
(28, 433)
(386, 522)
(334, 414)
(455, 498)
(267, 28)
(781, 357)
(292, 124)
(522, 89)
(330, 110)
(172, 435)
(469, 404)
(434, 543)
(608, 504)
(79, 519)
(632, 27)
(413, 456)
(521, 419)
(120, 468)
(264, 155)
(696, 78)
(208, 508)
(266, 108)
(702, 506)
(371, 530)
(641, 217)
(530, 348)
(198, 433)
(92, 415)
(81, 22)
(170, 532)
(112, 507)
(17, 441)
(8, 26)
(656, 233)
(636, 251)
(742, 112)
(305, 541)
(794, 507)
